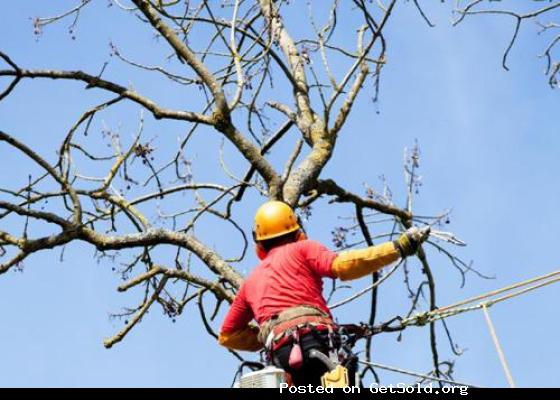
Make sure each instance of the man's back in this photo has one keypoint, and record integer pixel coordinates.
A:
(291, 275)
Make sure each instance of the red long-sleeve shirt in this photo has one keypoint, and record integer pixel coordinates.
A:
(290, 275)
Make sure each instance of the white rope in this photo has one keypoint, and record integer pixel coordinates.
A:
(442, 313)
(449, 311)
(498, 346)
(445, 312)
(415, 374)
(548, 276)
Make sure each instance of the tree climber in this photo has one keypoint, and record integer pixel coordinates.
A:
(284, 294)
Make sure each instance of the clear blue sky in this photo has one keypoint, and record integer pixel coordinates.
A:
(490, 146)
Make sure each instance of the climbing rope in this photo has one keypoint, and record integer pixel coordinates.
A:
(505, 289)
(499, 349)
(415, 374)
(485, 301)
(456, 309)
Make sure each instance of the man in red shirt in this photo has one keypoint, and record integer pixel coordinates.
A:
(284, 294)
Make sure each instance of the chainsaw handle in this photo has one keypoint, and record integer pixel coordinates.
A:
(316, 354)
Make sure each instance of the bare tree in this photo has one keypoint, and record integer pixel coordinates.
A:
(228, 57)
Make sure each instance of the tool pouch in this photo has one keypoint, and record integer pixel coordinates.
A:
(296, 355)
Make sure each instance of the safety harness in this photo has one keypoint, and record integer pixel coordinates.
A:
(282, 326)
(290, 325)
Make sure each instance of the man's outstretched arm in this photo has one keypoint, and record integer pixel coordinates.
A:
(355, 264)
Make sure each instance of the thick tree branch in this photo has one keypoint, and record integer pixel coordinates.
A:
(159, 237)
(214, 287)
(130, 94)
(331, 188)
(185, 53)
(301, 90)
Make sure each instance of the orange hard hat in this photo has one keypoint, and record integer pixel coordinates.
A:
(274, 219)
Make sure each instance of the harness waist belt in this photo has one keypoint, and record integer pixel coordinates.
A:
(286, 317)
(282, 333)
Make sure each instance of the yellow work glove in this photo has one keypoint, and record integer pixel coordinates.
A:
(244, 340)
(409, 242)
